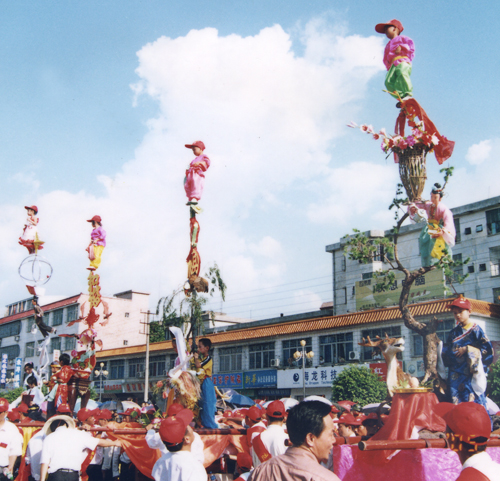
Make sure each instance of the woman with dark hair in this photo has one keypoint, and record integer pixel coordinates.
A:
(438, 236)
(97, 243)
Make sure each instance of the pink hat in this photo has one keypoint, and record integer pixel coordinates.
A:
(198, 143)
(96, 218)
(461, 302)
(380, 27)
(33, 207)
(173, 428)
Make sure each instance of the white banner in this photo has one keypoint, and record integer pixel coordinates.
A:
(314, 376)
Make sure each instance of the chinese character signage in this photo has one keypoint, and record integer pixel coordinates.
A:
(314, 376)
(17, 371)
(230, 379)
(425, 288)
(267, 378)
(3, 368)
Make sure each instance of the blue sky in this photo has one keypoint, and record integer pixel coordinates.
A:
(99, 98)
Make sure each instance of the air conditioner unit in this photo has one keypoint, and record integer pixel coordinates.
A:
(275, 362)
(17, 338)
(140, 374)
(353, 355)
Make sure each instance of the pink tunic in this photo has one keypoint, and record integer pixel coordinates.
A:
(407, 51)
(195, 177)
(442, 213)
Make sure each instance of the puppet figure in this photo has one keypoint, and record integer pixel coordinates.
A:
(29, 237)
(61, 378)
(195, 175)
(439, 233)
(97, 243)
(398, 55)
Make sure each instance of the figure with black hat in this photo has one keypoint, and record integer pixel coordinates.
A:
(97, 242)
(178, 464)
(468, 431)
(467, 353)
(11, 443)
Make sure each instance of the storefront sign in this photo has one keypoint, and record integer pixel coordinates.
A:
(380, 368)
(3, 368)
(137, 386)
(267, 378)
(232, 379)
(314, 377)
(280, 393)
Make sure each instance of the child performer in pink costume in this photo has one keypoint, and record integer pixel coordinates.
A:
(30, 233)
(195, 177)
(398, 55)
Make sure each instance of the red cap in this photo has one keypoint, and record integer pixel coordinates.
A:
(244, 460)
(85, 413)
(347, 405)
(105, 414)
(198, 143)
(97, 218)
(380, 27)
(22, 408)
(13, 416)
(254, 413)
(175, 408)
(461, 302)
(276, 409)
(467, 420)
(173, 428)
(349, 419)
(4, 405)
(334, 409)
(32, 207)
(64, 408)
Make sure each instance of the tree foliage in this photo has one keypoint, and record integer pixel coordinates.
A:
(493, 390)
(359, 384)
(12, 394)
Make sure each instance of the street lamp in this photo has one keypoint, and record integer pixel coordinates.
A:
(100, 373)
(303, 354)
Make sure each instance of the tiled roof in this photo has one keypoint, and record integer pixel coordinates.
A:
(318, 324)
(47, 307)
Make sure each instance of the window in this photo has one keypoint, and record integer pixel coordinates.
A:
(171, 360)
(289, 349)
(69, 343)
(135, 366)
(11, 351)
(117, 369)
(335, 347)
(391, 331)
(495, 261)
(156, 366)
(30, 349)
(10, 329)
(458, 270)
(458, 235)
(261, 355)
(470, 269)
(367, 275)
(230, 359)
(443, 329)
(496, 295)
(493, 221)
(479, 228)
(57, 317)
(30, 322)
(343, 263)
(55, 343)
(126, 314)
(72, 313)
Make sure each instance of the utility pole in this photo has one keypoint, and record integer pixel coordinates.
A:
(146, 366)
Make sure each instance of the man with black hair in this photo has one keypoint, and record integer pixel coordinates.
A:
(310, 429)
(178, 464)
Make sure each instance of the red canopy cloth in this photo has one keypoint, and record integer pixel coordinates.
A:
(414, 464)
(444, 149)
(407, 411)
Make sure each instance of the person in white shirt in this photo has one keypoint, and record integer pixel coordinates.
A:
(271, 442)
(65, 449)
(34, 454)
(11, 442)
(178, 464)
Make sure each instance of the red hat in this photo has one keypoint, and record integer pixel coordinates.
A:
(97, 218)
(22, 408)
(466, 420)
(33, 207)
(347, 405)
(349, 419)
(175, 408)
(105, 414)
(244, 460)
(4, 405)
(254, 413)
(173, 428)
(369, 417)
(64, 408)
(13, 416)
(461, 302)
(198, 143)
(276, 409)
(380, 27)
(227, 414)
(85, 413)
(334, 409)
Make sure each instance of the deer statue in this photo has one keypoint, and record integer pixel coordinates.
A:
(389, 347)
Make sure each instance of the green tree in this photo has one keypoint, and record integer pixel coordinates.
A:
(358, 384)
(12, 394)
(493, 390)
(156, 332)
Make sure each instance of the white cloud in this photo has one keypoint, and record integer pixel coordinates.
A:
(268, 118)
(480, 152)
